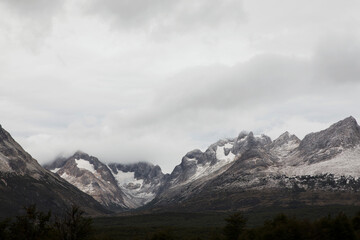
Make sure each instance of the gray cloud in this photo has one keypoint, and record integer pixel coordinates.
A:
(29, 21)
(41, 9)
(171, 16)
(173, 75)
(338, 58)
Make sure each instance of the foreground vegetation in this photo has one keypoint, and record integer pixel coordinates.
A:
(261, 225)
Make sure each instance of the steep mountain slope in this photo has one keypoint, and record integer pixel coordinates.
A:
(23, 181)
(115, 186)
(251, 171)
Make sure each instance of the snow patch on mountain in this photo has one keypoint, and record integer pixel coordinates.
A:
(228, 145)
(191, 159)
(220, 155)
(83, 164)
(346, 163)
(127, 179)
(55, 170)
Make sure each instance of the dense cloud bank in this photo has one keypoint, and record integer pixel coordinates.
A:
(129, 80)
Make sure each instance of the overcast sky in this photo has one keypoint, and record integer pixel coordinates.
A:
(141, 80)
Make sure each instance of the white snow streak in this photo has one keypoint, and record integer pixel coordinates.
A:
(55, 170)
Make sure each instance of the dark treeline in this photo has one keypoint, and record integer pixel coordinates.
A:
(283, 227)
(37, 225)
(73, 225)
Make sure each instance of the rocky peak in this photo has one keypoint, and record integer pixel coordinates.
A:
(331, 141)
(194, 154)
(246, 141)
(264, 139)
(285, 138)
(347, 122)
(285, 144)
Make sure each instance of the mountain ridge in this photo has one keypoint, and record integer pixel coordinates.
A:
(250, 166)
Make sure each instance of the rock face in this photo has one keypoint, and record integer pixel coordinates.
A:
(116, 186)
(323, 145)
(23, 181)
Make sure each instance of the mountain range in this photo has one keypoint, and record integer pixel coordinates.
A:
(245, 172)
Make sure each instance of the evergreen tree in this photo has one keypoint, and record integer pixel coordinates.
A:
(34, 225)
(235, 225)
(74, 226)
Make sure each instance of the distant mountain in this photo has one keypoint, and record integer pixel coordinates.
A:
(23, 181)
(116, 186)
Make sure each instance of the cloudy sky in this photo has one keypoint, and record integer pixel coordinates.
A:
(140, 80)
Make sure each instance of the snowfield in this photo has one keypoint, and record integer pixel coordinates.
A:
(346, 163)
(83, 164)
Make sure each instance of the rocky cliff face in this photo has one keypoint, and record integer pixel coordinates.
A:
(23, 181)
(323, 145)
